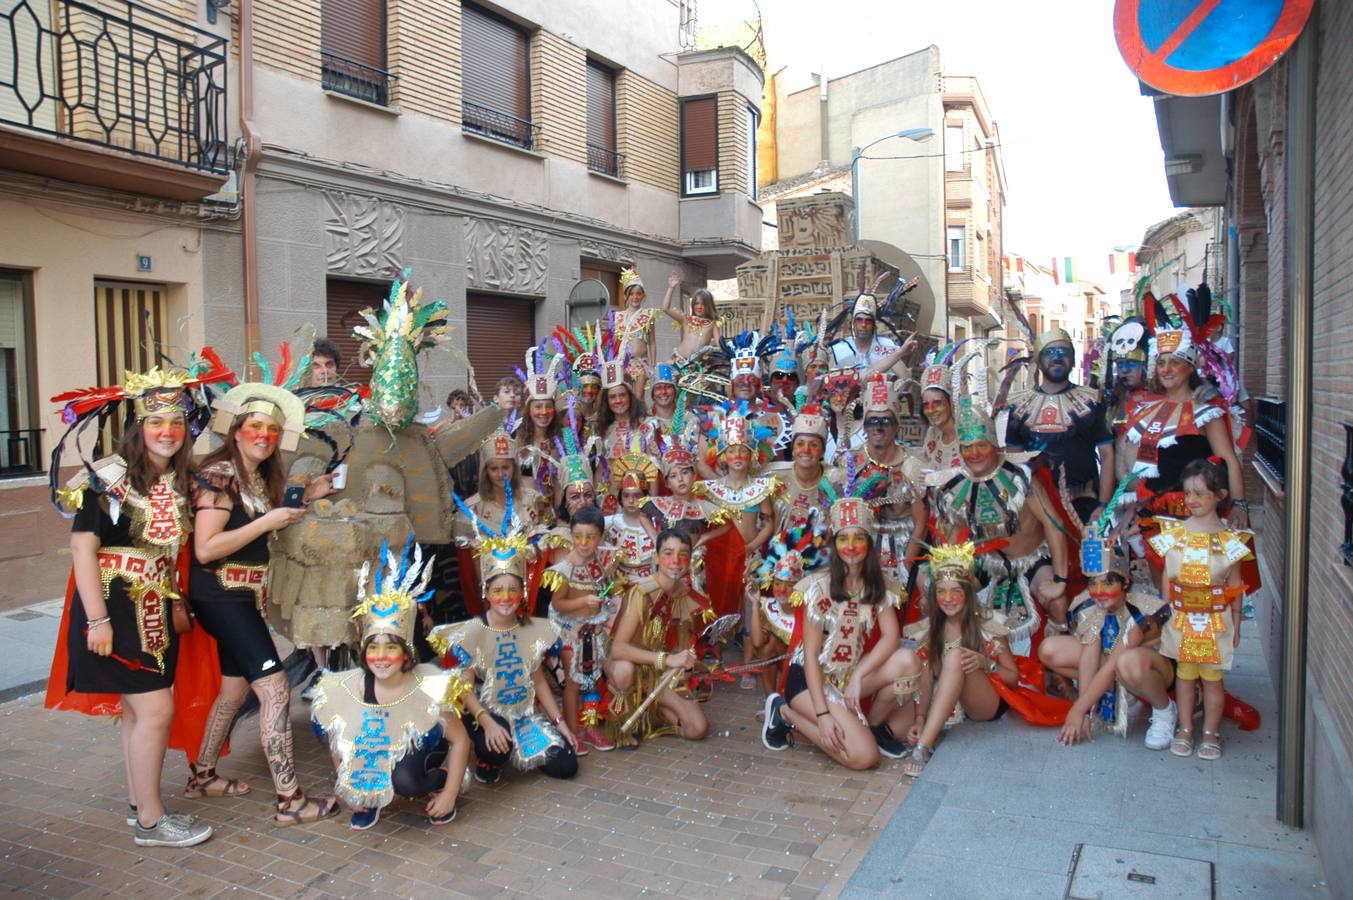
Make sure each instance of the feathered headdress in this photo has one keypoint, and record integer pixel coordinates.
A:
(391, 341)
(541, 377)
(388, 598)
(580, 347)
(956, 558)
(731, 425)
(793, 552)
(1194, 338)
(743, 352)
(808, 417)
(502, 551)
(851, 506)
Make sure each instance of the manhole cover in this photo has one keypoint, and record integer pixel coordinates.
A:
(1107, 873)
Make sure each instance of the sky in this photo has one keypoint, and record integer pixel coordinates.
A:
(1082, 157)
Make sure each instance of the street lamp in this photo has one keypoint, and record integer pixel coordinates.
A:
(856, 153)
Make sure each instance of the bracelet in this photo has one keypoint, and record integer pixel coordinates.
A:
(101, 620)
(1059, 579)
(661, 661)
(482, 711)
(825, 712)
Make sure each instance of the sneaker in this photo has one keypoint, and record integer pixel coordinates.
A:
(172, 831)
(443, 820)
(581, 750)
(132, 819)
(362, 819)
(1161, 730)
(889, 746)
(597, 739)
(747, 682)
(487, 774)
(775, 730)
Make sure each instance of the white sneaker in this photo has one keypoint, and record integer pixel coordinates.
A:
(1161, 730)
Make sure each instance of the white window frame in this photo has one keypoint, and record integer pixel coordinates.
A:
(956, 238)
(753, 119)
(696, 176)
(953, 148)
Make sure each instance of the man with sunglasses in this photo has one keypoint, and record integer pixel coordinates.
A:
(1065, 423)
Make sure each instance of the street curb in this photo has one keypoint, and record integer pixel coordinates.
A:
(20, 690)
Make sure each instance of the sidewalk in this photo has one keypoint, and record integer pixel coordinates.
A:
(1002, 808)
(27, 638)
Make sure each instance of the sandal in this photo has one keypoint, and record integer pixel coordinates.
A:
(1209, 747)
(920, 755)
(1182, 744)
(204, 783)
(312, 809)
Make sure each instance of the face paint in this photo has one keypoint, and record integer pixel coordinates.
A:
(499, 471)
(674, 559)
(259, 435)
(737, 458)
(936, 407)
(808, 448)
(384, 658)
(618, 399)
(504, 595)
(979, 456)
(629, 499)
(1198, 498)
(586, 538)
(591, 391)
(1106, 592)
(542, 413)
(950, 597)
(579, 495)
(664, 394)
(163, 434)
(852, 545)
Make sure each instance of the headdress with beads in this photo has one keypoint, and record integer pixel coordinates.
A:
(880, 394)
(851, 507)
(731, 425)
(500, 444)
(808, 417)
(664, 373)
(573, 464)
(541, 378)
(160, 390)
(388, 594)
(635, 468)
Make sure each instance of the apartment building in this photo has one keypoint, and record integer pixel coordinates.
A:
(514, 154)
(920, 154)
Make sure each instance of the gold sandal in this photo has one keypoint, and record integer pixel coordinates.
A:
(1209, 747)
(1182, 743)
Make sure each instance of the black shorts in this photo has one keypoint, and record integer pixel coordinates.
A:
(243, 643)
(795, 682)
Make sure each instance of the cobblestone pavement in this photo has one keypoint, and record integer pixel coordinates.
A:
(723, 817)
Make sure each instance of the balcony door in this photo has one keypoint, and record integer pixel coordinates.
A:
(345, 301)
(497, 332)
(131, 328)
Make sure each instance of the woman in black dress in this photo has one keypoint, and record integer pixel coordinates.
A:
(120, 645)
(238, 501)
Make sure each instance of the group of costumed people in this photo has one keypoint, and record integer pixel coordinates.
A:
(1074, 551)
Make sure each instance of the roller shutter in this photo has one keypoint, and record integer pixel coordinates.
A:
(498, 331)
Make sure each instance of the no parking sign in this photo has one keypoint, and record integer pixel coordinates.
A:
(1201, 47)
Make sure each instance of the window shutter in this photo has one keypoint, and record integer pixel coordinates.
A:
(493, 60)
(699, 135)
(346, 300)
(495, 329)
(600, 106)
(354, 29)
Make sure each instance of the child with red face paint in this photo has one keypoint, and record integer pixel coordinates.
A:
(584, 601)
(411, 711)
(961, 645)
(830, 674)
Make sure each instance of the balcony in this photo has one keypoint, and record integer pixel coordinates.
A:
(351, 78)
(604, 160)
(114, 95)
(20, 452)
(476, 118)
(971, 295)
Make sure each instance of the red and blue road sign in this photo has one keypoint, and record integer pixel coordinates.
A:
(1201, 47)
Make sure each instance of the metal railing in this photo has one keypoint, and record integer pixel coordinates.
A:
(1270, 429)
(604, 160)
(355, 79)
(477, 118)
(118, 75)
(20, 452)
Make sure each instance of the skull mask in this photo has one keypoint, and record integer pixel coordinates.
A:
(1127, 337)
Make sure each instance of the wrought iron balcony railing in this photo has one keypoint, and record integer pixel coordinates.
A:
(604, 160)
(116, 74)
(1270, 427)
(355, 79)
(20, 452)
(489, 122)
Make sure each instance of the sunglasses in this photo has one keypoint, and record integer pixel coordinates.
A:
(1058, 353)
(880, 422)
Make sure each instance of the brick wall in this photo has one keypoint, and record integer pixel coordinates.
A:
(646, 131)
(286, 38)
(1251, 294)
(559, 96)
(732, 143)
(1271, 103)
(416, 33)
(1331, 601)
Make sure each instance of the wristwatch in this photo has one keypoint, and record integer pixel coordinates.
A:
(991, 666)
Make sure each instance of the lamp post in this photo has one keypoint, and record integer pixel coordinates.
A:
(857, 153)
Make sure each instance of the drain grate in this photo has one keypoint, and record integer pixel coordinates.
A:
(1108, 873)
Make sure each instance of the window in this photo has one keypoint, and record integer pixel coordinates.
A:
(700, 146)
(131, 322)
(20, 438)
(955, 248)
(953, 148)
(492, 323)
(496, 88)
(601, 155)
(352, 49)
(752, 121)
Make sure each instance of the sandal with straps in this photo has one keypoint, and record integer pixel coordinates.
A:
(1182, 744)
(312, 809)
(1209, 747)
(920, 755)
(203, 784)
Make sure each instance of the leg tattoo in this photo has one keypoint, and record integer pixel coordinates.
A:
(274, 725)
(218, 727)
